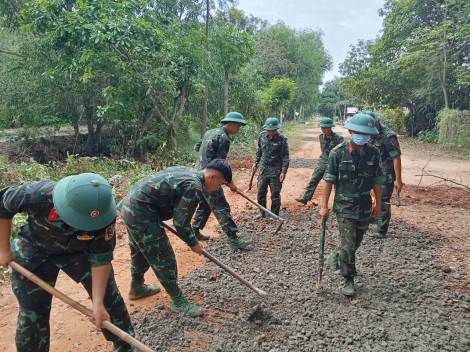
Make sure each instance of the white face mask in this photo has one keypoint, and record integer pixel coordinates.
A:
(360, 139)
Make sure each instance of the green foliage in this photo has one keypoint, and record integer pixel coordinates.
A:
(394, 119)
(279, 95)
(454, 128)
(247, 134)
(428, 136)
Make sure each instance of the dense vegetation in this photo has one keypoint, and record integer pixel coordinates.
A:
(142, 74)
(420, 61)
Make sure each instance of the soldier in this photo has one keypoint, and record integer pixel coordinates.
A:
(387, 142)
(328, 140)
(216, 144)
(273, 153)
(354, 167)
(70, 227)
(173, 193)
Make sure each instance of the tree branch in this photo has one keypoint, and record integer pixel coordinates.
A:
(12, 53)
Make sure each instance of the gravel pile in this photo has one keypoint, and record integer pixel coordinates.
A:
(402, 303)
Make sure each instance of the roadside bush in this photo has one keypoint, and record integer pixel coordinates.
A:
(454, 128)
(394, 119)
(428, 136)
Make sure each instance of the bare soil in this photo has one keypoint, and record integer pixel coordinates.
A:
(439, 210)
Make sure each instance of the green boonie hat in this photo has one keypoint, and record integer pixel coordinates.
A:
(84, 201)
(271, 124)
(326, 122)
(234, 117)
(362, 123)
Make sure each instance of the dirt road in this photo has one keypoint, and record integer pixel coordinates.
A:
(431, 209)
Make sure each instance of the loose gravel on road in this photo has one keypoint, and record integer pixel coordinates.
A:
(402, 303)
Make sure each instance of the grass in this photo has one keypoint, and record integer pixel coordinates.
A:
(434, 149)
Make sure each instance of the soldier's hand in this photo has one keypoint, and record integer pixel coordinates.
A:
(99, 315)
(398, 185)
(254, 167)
(197, 249)
(6, 257)
(324, 214)
(282, 177)
(377, 210)
(233, 187)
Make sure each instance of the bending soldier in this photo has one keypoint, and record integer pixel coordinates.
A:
(387, 142)
(328, 140)
(216, 144)
(273, 154)
(70, 227)
(172, 193)
(354, 167)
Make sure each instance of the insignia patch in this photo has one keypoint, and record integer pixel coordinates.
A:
(53, 215)
(275, 144)
(94, 213)
(85, 237)
(270, 125)
(377, 144)
(109, 233)
(369, 124)
(393, 141)
(370, 163)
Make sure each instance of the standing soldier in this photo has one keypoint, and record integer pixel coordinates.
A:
(172, 193)
(354, 167)
(328, 140)
(70, 227)
(216, 144)
(273, 153)
(387, 142)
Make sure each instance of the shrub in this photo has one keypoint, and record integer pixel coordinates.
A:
(428, 136)
(454, 128)
(394, 119)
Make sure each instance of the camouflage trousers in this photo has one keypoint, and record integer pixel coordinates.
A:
(351, 233)
(215, 202)
(275, 185)
(153, 250)
(317, 176)
(383, 222)
(33, 330)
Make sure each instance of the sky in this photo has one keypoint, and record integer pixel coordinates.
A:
(343, 22)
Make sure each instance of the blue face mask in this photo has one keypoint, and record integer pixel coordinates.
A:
(360, 139)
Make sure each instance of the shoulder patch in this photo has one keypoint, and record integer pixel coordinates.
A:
(109, 232)
(393, 141)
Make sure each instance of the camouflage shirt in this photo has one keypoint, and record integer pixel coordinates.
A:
(327, 144)
(214, 145)
(171, 193)
(273, 153)
(353, 175)
(387, 142)
(45, 234)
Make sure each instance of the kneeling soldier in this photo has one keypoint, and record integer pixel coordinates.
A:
(70, 227)
(354, 167)
(174, 193)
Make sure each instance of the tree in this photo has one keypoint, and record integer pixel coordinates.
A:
(279, 95)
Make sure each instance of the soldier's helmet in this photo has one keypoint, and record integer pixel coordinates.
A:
(234, 117)
(271, 124)
(370, 113)
(326, 122)
(84, 201)
(362, 123)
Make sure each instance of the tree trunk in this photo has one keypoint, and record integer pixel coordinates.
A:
(300, 112)
(226, 94)
(206, 89)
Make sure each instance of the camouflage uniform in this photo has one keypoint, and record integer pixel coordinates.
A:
(273, 153)
(215, 144)
(389, 147)
(353, 176)
(46, 245)
(326, 145)
(172, 193)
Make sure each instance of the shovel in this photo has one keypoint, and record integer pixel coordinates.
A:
(397, 200)
(250, 185)
(225, 267)
(74, 304)
(321, 255)
(265, 210)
